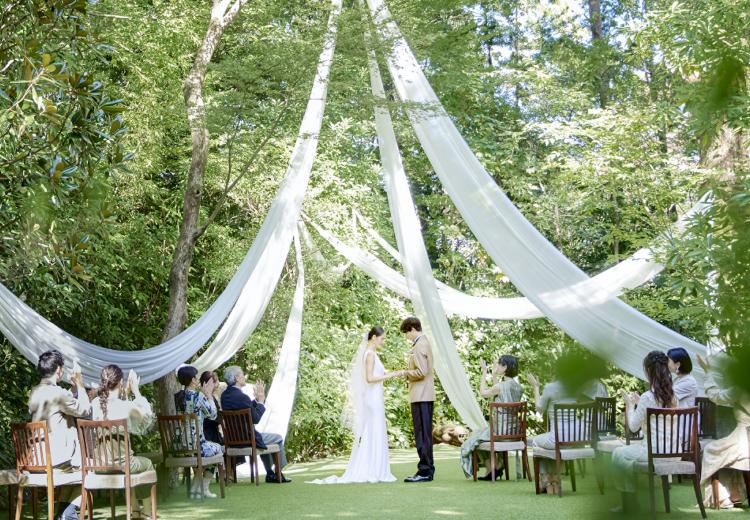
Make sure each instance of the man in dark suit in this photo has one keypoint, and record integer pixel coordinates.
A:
(233, 398)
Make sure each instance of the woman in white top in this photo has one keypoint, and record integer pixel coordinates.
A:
(659, 395)
(684, 385)
(112, 404)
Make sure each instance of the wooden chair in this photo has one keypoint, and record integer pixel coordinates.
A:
(575, 438)
(607, 439)
(239, 440)
(507, 433)
(34, 465)
(672, 439)
(105, 464)
(181, 448)
(706, 420)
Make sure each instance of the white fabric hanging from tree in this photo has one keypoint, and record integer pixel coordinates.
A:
(257, 292)
(597, 320)
(280, 399)
(421, 283)
(253, 283)
(630, 273)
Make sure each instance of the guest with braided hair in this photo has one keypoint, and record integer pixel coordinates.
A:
(113, 403)
(659, 395)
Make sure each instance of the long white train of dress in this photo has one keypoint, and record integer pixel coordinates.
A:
(368, 461)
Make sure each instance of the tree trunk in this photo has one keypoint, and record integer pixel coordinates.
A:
(221, 17)
(598, 42)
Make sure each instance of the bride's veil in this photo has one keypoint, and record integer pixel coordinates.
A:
(353, 415)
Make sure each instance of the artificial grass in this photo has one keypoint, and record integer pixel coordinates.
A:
(449, 495)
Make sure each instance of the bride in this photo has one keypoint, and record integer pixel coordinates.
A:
(368, 461)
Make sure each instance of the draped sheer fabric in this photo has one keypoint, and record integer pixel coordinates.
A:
(241, 304)
(419, 279)
(596, 319)
(280, 399)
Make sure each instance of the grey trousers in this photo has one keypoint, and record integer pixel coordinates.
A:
(272, 438)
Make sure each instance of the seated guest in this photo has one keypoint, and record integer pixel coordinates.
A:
(731, 454)
(234, 399)
(504, 390)
(110, 406)
(684, 385)
(554, 393)
(198, 399)
(59, 407)
(211, 427)
(659, 395)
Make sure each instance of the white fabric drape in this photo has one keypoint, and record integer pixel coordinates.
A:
(548, 279)
(253, 283)
(258, 290)
(421, 283)
(280, 399)
(630, 273)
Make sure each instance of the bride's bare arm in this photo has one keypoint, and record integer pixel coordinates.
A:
(370, 367)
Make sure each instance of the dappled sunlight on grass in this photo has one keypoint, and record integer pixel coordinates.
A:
(449, 495)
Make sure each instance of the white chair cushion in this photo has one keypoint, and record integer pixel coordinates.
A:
(565, 454)
(248, 452)
(668, 467)
(117, 481)
(503, 446)
(183, 462)
(8, 477)
(609, 445)
(59, 478)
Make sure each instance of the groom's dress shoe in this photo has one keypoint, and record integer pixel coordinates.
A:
(418, 478)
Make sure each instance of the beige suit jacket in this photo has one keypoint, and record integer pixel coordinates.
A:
(420, 373)
(56, 405)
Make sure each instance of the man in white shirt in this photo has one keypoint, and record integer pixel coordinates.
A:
(59, 407)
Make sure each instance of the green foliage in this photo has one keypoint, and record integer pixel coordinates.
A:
(89, 244)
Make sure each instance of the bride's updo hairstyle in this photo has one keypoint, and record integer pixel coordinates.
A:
(375, 331)
(657, 373)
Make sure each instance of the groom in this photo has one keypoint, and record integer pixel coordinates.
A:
(422, 396)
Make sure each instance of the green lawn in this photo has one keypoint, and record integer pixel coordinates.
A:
(449, 495)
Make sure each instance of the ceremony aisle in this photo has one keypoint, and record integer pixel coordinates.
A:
(449, 496)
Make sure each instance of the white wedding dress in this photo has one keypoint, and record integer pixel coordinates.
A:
(368, 461)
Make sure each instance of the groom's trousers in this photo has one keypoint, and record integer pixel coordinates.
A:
(421, 415)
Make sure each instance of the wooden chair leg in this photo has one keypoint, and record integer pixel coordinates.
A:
(34, 504)
(559, 477)
(474, 464)
(651, 497)
(112, 503)
(277, 463)
(596, 468)
(535, 462)
(699, 495)
(84, 504)
(222, 479)
(746, 474)
(715, 490)
(506, 465)
(90, 498)
(526, 472)
(19, 502)
(573, 474)
(186, 478)
(199, 476)
(665, 491)
(128, 503)
(153, 501)
(492, 465)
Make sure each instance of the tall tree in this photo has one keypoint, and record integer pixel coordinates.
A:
(223, 13)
